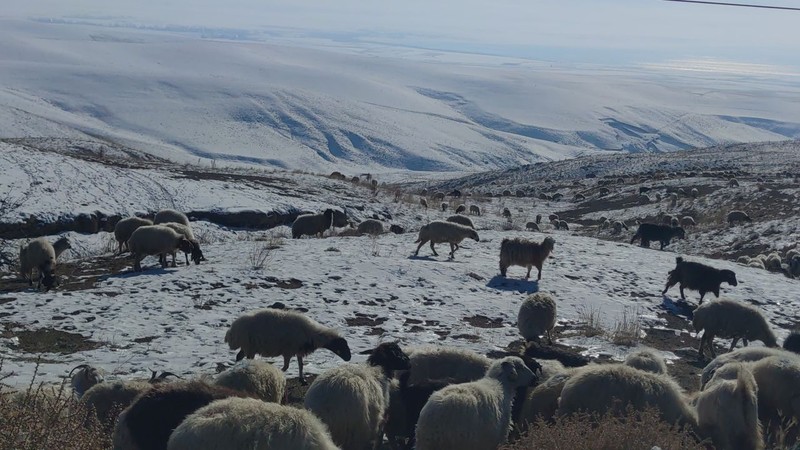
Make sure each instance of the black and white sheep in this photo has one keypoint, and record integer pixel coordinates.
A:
(474, 415)
(312, 224)
(731, 319)
(461, 220)
(461, 208)
(148, 422)
(249, 424)
(186, 232)
(525, 253)
(475, 209)
(738, 216)
(258, 378)
(647, 360)
(651, 232)
(83, 377)
(506, 213)
(170, 215)
(370, 226)
(532, 226)
(125, 228)
(156, 240)
(363, 391)
(41, 255)
(442, 231)
(698, 277)
(688, 221)
(537, 316)
(543, 352)
(274, 332)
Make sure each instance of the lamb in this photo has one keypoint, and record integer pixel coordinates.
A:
(312, 224)
(506, 213)
(186, 232)
(170, 215)
(370, 226)
(41, 255)
(792, 342)
(156, 240)
(148, 422)
(357, 388)
(444, 206)
(521, 252)
(698, 277)
(532, 226)
(475, 209)
(249, 424)
(475, 415)
(462, 220)
(125, 228)
(461, 208)
(274, 332)
(258, 378)
(83, 377)
(727, 318)
(424, 203)
(445, 364)
(651, 232)
(688, 221)
(738, 216)
(537, 316)
(442, 231)
(647, 360)
(599, 389)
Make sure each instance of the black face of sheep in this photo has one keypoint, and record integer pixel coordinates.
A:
(340, 348)
(729, 277)
(390, 357)
(49, 280)
(197, 254)
(680, 233)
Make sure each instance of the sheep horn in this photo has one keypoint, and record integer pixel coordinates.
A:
(164, 375)
(82, 366)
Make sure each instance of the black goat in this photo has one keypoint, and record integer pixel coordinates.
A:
(566, 357)
(698, 277)
(663, 233)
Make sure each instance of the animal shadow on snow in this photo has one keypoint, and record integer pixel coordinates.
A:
(129, 273)
(521, 285)
(680, 308)
(440, 258)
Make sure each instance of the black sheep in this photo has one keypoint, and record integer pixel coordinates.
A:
(698, 277)
(792, 342)
(566, 357)
(663, 233)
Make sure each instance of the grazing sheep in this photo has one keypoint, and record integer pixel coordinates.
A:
(475, 415)
(438, 196)
(792, 342)
(83, 377)
(506, 213)
(312, 224)
(170, 215)
(363, 391)
(694, 193)
(374, 184)
(521, 252)
(438, 232)
(274, 332)
(156, 240)
(337, 176)
(738, 216)
(651, 232)
(778, 380)
(148, 422)
(405, 403)
(731, 319)
(249, 424)
(444, 206)
(698, 277)
(647, 360)
(537, 316)
(727, 412)
(612, 387)
(562, 225)
(733, 182)
(461, 220)
(557, 196)
(553, 218)
(565, 356)
(355, 180)
(532, 226)
(445, 364)
(397, 229)
(41, 255)
(618, 226)
(475, 209)
(520, 193)
(126, 227)
(455, 193)
(603, 191)
(688, 221)
(757, 263)
(743, 354)
(257, 378)
(424, 203)
(370, 226)
(538, 219)
(186, 231)
(107, 400)
(773, 262)
(542, 401)
(461, 208)
(506, 193)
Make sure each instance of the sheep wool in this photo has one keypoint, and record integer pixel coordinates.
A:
(170, 215)
(370, 226)
(312, 224)
(647, 360)
(436, 364)
(731, 319)
(463, 220)
(525, 253)
(156, 240)
(249, 424)
(108, 399)
(258, 378)
(125, 228)
(744, 354)
(438, 232)
(537, 316)
(37, 254)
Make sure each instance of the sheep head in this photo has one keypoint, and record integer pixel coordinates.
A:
(729, 277)
(474, 235)
(548, 244)
(339, 347)
(197, 254)
(679, 232)
(390, 357)
(512, 371)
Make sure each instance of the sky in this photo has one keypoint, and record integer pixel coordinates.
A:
(612, 31)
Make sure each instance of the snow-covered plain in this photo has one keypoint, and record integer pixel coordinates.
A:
(279, 104)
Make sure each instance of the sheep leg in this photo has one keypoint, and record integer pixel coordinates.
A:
(187, 258)
(286, 360)
(733, 344)
(711, 346)
(528, 275)
(240, 355)
(416, 253)
(300, 365)
(683, 296)
(670, 283)
(702, 294)
(434, 250)
(702, 344)
(540, 273)
(549, 337)
(744, 342)
(173, 259)
(645, 243)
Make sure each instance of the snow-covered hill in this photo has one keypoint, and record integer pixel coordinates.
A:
(178, 96)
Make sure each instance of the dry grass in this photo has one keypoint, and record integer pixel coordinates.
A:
(591, 324)
(638, 430)
(627, 330)
(262, 249)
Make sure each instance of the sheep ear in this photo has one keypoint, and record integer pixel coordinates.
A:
(510, 371)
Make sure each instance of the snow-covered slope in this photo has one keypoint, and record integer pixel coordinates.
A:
(178, 96)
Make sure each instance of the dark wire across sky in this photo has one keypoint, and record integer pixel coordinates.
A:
(744, 5)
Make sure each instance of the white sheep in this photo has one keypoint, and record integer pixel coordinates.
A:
(542, 401)
(83, 377)
(778, 379)
(170, 215)
(647, 360)
(186, 232)
(442, 231)
(125, 228)
(474, 415)
(731, 319)
(370, 226)
(274, 332)
(363, 391)
(461, 220)
(41, 255)
(435, 364)
(600, 389)
(255, 377)
(108, 399)
(249, 424)
(744, 354)
(156, 240)
(537, 316)
(312, 224)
